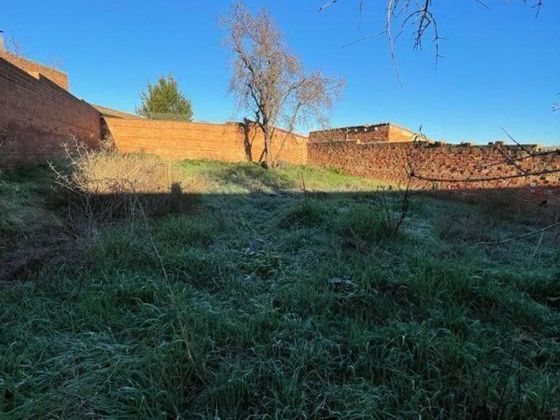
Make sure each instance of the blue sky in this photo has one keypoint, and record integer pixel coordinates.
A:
(500, 67)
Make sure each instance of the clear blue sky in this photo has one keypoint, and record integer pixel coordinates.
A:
(500, 67)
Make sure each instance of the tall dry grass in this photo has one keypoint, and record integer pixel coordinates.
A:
(105, 171)
(104, 184)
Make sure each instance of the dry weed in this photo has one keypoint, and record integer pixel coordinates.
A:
(105, 171)
(104, 184)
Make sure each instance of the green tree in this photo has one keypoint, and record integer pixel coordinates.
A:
(164, 101)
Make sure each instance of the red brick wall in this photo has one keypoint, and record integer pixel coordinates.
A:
(364, 134)
(181, 140)
(389, 162)
(398, 134)
(286, 147)
(36, 69)
(37, 117)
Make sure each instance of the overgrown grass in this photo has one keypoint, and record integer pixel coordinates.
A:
(294, 305)
(23, 200)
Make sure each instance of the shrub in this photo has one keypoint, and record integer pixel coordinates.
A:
(105, 184)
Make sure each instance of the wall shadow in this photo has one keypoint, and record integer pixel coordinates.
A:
(483, 209)
(538, 206)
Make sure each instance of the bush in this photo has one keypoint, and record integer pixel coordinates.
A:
(105, 184)
(106, 172)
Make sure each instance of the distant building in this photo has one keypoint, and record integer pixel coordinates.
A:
(375, 133)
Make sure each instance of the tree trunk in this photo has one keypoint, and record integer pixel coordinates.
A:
(247, 140)
(268, 150)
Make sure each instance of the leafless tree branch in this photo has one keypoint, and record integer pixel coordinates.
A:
(419, 15)
(525, 235)
(269, 81)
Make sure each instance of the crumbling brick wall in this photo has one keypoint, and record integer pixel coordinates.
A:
(393, 161)
(183, 140)
(37, 117)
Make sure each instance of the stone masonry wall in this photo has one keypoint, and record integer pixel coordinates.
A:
(37, 117)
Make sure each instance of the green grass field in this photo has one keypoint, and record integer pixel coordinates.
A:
(263, 300)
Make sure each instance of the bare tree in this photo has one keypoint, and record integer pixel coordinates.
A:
(269, 81)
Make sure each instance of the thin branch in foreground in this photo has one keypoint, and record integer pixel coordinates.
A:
(493, 178)
(371, 35)
(510, 161)
(420, 12)
(525, 235)
(532, 156)
(388, 25)
(517, 143)
(327, 5)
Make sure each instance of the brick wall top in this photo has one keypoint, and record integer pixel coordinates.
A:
(384, 132)
(36, 69)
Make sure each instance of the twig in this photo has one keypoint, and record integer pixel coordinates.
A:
(404, 205)
(525, 235)
(533, 156)
(530, 152)
(326, 5)
(510, 160)
(538, 246)
(493, 178)
(303, 185)
(164, 272)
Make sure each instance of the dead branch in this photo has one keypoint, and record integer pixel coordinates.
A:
(525, 235)
(533, 155)
(420, 16)
(486, 179)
